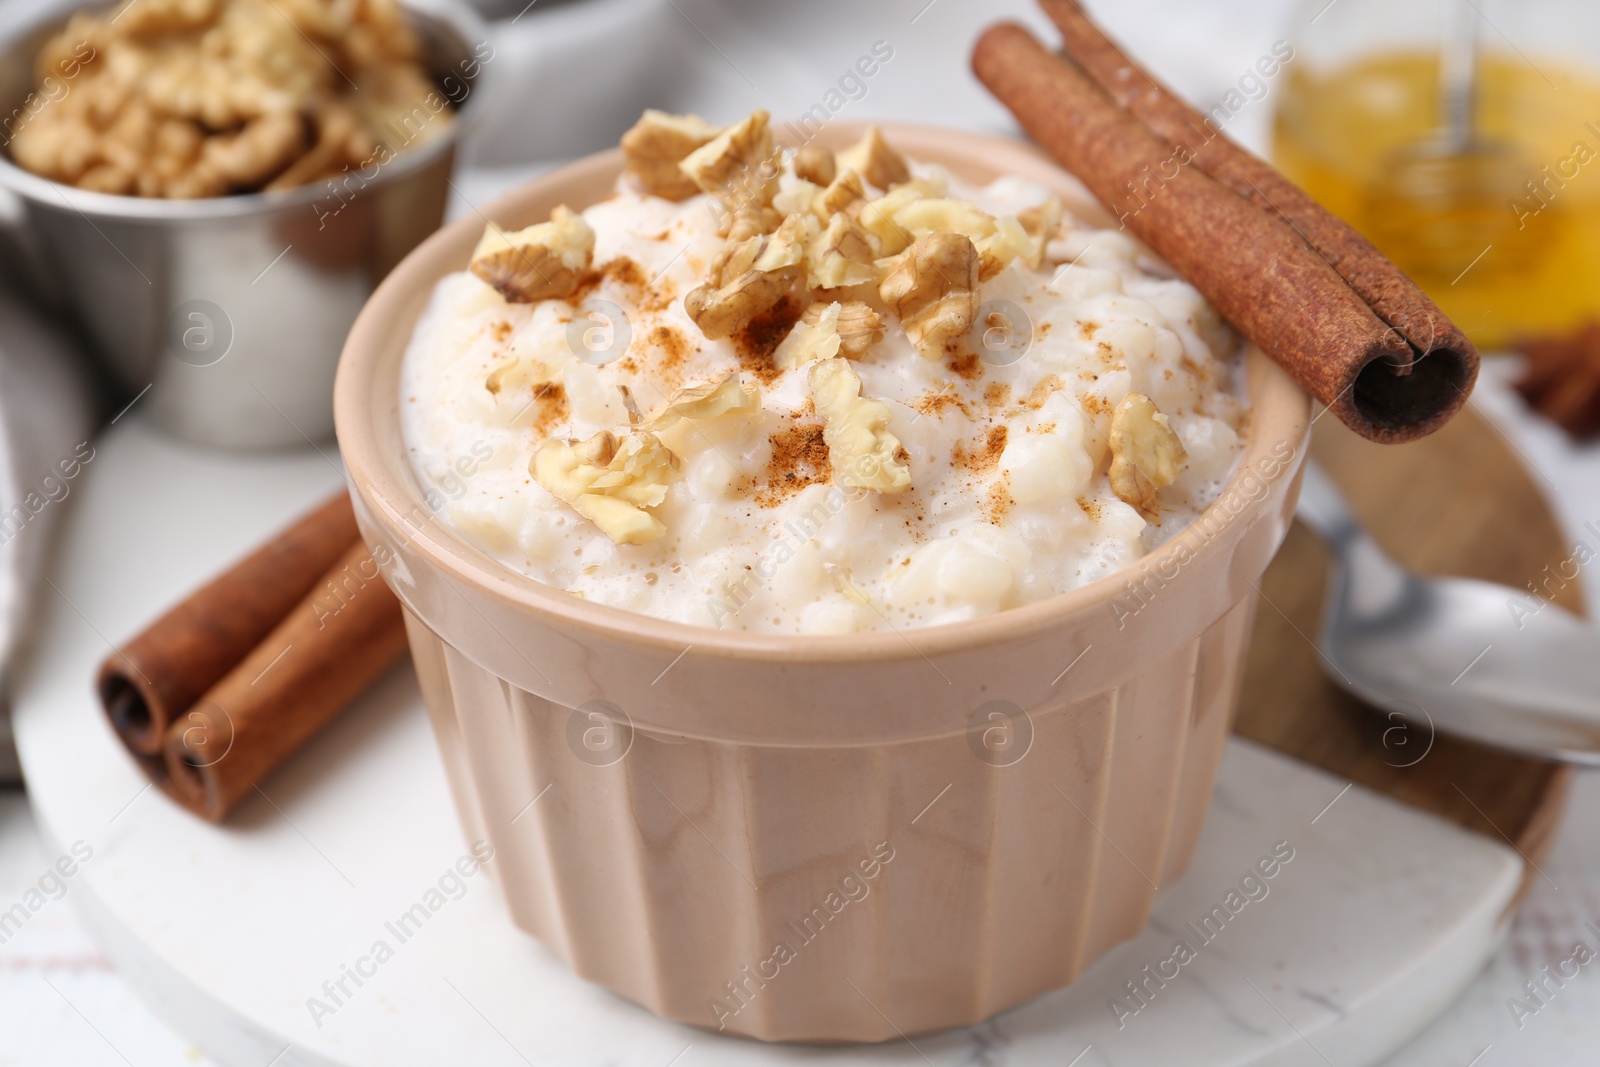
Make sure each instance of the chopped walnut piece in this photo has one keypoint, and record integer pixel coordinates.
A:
(515, 374)
(752, 279)
(861, 450)
(150, 80)
(933, 288)
(844, 193)
(1042, 223)
(750, 221)
(814, 337)
(786, 246)
(500, 375)
(384, 97)
(1008, 242)
(848, 329)
(860, 327)
(165, 16)
(630, 404)
(63, 150)
(878, 216)
(843, 254)
(737, 166)
(612, 481)
(379, 28)
(543, 261)
(797, 198)
(258, 151)
(1146, 454)
(727, 395)
(873, 159)
(815, 164)
(340, 142)
(223, 78)
(943, 215)
(655, 146)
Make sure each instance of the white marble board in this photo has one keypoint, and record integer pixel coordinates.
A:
(1381, 918)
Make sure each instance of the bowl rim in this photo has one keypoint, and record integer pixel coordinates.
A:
(1279, 410)
(456, 15)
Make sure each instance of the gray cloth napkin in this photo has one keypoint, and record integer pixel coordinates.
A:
(46, 429)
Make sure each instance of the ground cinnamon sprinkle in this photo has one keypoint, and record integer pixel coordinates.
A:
(934, 403)
(967, 365)
(997, 394)
(655, 299)
(1087, 329)
(622, 271)
(1041, 392)
(983, 456)
(502, 330)
(999, 502)
(673, 345)
(757, 341)
(550, 408)
(799, 459)
(1089, 508)
(625, 271)
(586, 286)
(1095, 404)
(649, 298)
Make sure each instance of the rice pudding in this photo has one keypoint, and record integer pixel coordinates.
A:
(800, 392)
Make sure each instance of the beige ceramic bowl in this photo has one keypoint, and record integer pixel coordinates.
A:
(820, 838)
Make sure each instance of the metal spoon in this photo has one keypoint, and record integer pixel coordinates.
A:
(1469, 658)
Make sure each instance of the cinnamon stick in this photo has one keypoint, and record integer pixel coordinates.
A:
(1561, 379)
(1384, 286)
(145, 684)
(1255, 269)
(331, 646)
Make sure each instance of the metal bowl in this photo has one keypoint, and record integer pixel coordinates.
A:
(231, 311)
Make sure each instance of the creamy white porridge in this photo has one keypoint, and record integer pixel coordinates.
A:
(886, 445)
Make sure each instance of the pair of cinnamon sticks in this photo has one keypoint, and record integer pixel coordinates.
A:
(1312, 293)
(228, 683)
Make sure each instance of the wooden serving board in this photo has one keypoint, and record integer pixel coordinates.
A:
(1458, 503)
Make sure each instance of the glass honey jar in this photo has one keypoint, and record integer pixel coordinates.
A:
(1463, 138)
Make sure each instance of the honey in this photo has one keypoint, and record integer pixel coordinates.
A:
(1505, 241)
